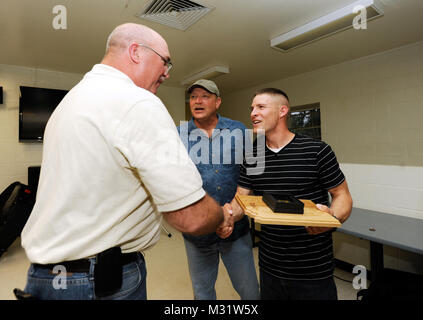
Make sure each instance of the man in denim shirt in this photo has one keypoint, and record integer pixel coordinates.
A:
(216, 145)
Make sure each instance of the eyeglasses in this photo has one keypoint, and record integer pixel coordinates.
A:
(167, 62)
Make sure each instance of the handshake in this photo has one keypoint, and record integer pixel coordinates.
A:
(225, 229)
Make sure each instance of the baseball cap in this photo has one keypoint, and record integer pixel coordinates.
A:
(209, 85)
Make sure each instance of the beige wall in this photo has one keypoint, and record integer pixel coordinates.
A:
(174, 100)
(16, 157)
(371, 108)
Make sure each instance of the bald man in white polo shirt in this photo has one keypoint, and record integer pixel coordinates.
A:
(113, 165)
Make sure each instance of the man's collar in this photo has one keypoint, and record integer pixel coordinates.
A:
(104, 69)
(219, 124)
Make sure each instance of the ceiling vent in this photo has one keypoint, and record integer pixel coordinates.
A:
(178, 14)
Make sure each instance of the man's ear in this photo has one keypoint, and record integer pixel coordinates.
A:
(283, 111)
(218, 102)
(134, 53)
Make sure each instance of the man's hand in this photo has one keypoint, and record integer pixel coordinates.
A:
(225, 229)
(318, 230)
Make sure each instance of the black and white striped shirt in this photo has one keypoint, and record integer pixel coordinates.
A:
(305, 168)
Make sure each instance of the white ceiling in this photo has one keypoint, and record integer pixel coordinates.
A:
(235, 34)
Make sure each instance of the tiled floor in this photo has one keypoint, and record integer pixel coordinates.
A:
(167, 273)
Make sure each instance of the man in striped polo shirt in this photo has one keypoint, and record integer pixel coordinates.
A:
(295, 262)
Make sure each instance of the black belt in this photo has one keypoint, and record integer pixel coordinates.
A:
(83, 265)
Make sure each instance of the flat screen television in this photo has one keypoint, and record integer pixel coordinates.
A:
(35, 108)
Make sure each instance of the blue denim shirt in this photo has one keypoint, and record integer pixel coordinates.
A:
(218, 160)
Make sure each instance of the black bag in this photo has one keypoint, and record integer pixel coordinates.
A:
(393, 285)
(16, 203)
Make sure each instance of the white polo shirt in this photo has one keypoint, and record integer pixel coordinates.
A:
(112, 161)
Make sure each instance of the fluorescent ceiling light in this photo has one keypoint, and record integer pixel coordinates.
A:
(209, 73)
(329, 24)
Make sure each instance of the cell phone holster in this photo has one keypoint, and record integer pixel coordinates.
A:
(108, 272)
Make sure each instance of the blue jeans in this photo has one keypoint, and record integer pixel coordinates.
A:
(273, 288)
(237, 256)
(44, 285)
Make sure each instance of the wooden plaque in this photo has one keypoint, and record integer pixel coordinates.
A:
(255, 208)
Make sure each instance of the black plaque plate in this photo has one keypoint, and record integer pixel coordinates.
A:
(283, 203)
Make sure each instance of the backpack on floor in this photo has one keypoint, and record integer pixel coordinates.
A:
(16, 203)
